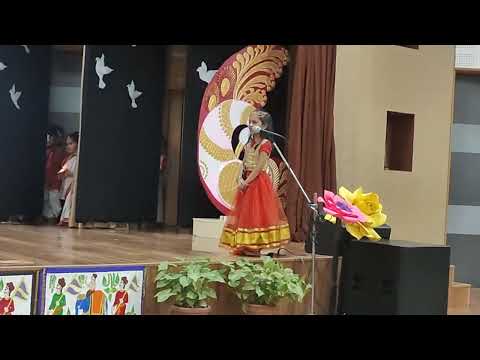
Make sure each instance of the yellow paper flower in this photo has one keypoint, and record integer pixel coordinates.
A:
(330, 218)
(359, 231)
(369, 204)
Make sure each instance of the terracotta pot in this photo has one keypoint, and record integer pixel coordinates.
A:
(177, 310)
(252, 309)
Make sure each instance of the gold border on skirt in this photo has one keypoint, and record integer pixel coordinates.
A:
(271, 237)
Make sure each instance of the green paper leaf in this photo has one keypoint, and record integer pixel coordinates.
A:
(259, 292)
(164, 295)
(185, 281)
(163, 266)
(237, 275)
(215, 276)
(162, 283)
(191, 295)
(249, 287)
(211, 293)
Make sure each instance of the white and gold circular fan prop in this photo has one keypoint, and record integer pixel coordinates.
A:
(238, 88)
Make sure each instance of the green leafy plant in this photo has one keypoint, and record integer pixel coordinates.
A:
(190, 283)
(265, 283)
(1, 285)
(53, 282)
(110, 284)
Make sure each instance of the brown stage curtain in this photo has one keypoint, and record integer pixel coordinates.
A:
(311, 146)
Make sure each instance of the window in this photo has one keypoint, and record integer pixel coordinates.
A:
(399, 141)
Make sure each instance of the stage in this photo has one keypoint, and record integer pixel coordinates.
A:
(35, 248)
(40, 246)
(58, 246)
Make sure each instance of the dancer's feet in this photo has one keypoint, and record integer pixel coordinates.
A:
(237, 251)
(252, 253)
(245, 251)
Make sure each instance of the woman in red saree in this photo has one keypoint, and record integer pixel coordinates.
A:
(257, 220)
(7, 306)
(121, 298)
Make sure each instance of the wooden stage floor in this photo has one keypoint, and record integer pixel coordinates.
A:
(51, 246)
(22, 245)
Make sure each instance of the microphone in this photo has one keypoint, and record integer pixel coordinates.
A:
(258, 129)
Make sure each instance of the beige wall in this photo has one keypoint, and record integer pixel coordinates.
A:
(372, 80)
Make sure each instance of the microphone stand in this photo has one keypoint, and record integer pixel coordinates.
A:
(311, 205)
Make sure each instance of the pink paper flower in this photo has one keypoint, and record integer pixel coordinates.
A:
(336, 206)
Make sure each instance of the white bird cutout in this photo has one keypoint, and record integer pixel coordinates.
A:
(27, 49)
(205, 74)
(15, 96)
(2, 66)
(133, 93)
(101, 70)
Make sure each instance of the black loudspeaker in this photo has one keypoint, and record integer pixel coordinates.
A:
(384, 231)
(394, 278)
(331, 238)
(328, 240)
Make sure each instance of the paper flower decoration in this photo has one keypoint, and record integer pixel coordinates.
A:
(337, 207)
(369, 204)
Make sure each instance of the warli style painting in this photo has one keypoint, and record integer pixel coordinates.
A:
(17, 293)
(93, 291)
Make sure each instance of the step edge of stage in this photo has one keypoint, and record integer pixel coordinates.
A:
(36, 266)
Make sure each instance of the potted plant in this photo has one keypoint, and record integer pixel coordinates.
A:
(261, 286)
(190, 284)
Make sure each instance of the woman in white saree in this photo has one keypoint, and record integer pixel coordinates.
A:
(67, 173)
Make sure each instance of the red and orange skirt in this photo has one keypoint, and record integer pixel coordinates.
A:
(257, 220)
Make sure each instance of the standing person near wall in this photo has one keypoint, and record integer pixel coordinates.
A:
(67, 174)
(52, 206)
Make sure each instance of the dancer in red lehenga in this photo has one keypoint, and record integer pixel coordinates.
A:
(257, 220)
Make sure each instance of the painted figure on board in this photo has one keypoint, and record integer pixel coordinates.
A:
(58, 300)
(121, 298)
(94, 302)
(52, 206)
(82, 305)
(7, 305)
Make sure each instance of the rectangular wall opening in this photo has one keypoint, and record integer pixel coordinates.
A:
(399, 141)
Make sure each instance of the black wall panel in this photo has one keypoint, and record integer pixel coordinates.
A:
(22, 135)
(120, 146)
